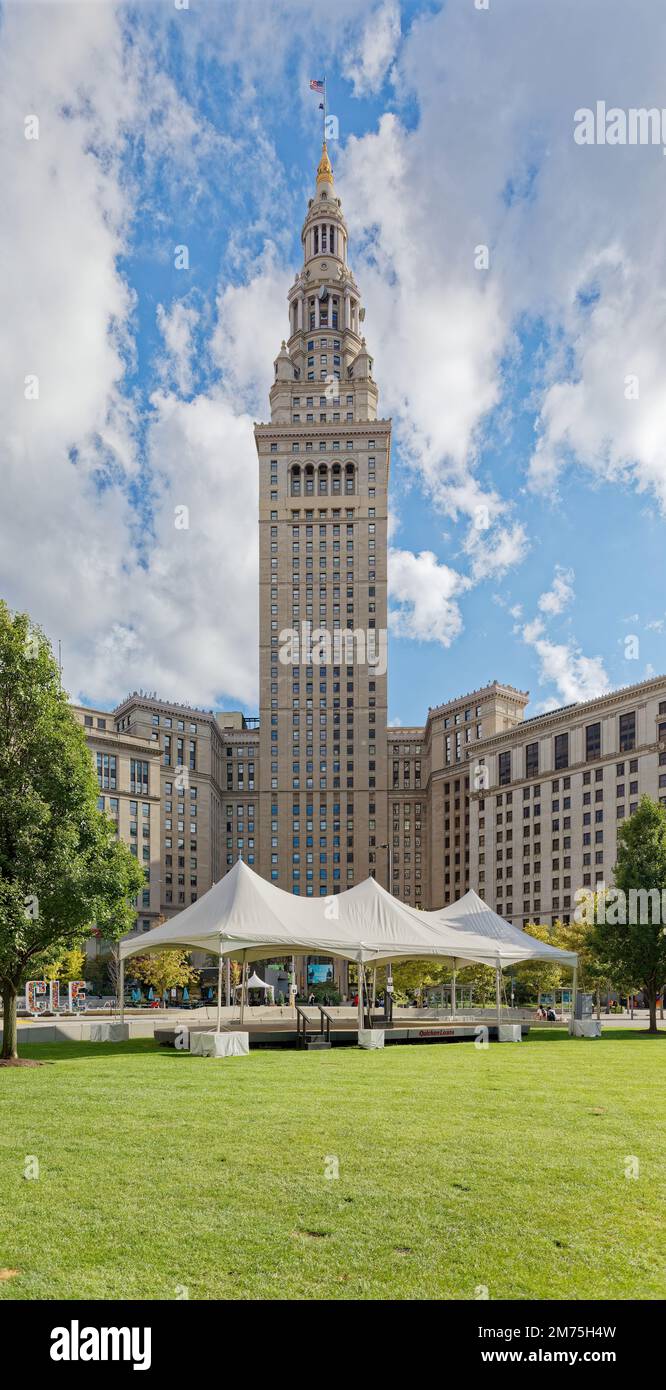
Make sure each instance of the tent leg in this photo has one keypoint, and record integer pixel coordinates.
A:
(360, 996)
(498, 994)
(227, 982)
(374, 986)
(574, 991)
(243, 979)
(219, 991)
(121, 991)
(453, 994)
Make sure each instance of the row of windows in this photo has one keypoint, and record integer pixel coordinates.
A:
(335, 445)
(626, 742)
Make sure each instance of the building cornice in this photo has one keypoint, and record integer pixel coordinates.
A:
(570, 714)
(338, 427)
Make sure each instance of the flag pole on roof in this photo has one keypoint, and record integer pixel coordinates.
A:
(318, 85)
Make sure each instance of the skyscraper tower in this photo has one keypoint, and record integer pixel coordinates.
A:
(323, 483)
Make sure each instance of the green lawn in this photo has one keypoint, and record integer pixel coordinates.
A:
(457, 1168)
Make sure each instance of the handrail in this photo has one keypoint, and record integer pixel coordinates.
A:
(325, 1018)
(302, 1023)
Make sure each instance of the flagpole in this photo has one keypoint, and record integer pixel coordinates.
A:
(324, 140)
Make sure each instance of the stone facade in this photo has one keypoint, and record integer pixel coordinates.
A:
(323, 494)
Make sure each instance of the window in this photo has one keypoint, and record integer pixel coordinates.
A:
(592, 742)
(138, 776)
(504, 768)
(561, 750)
(107, 771)
(532, 760)
(627, 732)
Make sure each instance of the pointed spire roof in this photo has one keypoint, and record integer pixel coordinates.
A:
(324, 170)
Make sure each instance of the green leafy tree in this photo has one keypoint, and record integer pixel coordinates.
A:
(535, 977)
(163, 970)
(594, 974)
(480, 979)
(635, 949)
(69, 966)
(62, 871)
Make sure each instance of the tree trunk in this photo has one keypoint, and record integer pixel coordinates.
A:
(9, 1040)
(652, 1005)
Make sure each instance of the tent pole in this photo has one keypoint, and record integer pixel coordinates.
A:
(360, 995)
(498, 994)
(243, 978)
(453, 992)
(227, 981)
(574, 989)
(374, 986)
(121, 990)
(219, 989)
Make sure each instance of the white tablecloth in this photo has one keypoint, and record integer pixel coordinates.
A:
(509, 1032)
(219, 1044)
(109, 1032)
(585, 1028)
(371, 1037)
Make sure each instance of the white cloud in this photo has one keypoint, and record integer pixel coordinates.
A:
(563, 664)
(555, 599)
(424, 594)
(367, 65)
(177, 326)
(134, 602)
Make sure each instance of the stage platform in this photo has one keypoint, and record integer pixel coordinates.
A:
(343, 1032)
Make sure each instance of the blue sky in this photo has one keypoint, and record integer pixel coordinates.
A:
(528, 489)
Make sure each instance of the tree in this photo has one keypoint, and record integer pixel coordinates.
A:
(635, 948)
(538, 976)
(480, 979)
(70, 966)
(593, 973)
(163, 970)
(62, 871)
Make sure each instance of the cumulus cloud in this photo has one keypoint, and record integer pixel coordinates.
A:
(563, 664)
(555, 599)
(88, 543)
(367, 65)
(177, 326)
(424, 596)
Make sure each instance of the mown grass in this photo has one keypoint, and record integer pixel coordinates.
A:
(457, 1168)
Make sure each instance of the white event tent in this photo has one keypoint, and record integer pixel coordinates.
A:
(246, 917)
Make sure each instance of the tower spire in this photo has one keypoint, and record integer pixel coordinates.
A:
(324, 169)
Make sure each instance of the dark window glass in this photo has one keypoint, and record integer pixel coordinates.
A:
(627, 732)
(592, 742)
(561, 750)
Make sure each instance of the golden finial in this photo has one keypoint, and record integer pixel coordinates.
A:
(324, 171)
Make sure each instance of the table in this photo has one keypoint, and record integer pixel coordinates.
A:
(219, 1044)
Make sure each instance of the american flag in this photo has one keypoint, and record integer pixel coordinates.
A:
(316, 85)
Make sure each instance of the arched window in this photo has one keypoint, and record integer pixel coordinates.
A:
(309, 479)
(350, 478)
(336, 473)
(332, 240)
(316, 241)
(323, 479)
(296, 481)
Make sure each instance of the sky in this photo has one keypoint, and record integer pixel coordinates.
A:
(156, 161)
